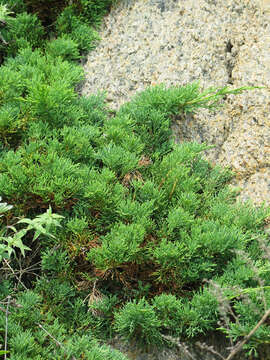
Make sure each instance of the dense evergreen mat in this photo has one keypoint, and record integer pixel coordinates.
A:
(107, 226)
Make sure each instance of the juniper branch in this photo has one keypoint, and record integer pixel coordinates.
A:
(13, 272)
(210, 98)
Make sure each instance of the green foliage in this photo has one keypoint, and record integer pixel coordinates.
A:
(186, 99)
(35, 68)
(149, 121)
(155, 106)
(25, 30)
(4, 12)
(17, 6)
(121, 245)
(10, 120)
(50, 102)
(32, 86)
(146, 221)
(3, 352)
(243, 291)
(85, 36)
(248, 217)
(102, 308)
(118, 159)
(138, 321)
(64, 47)
(104, 352)
(42, 169)
(4, 207)
(169, 311)
(200, 315)
(31, 330)
(59, 295)
(11, 87)
(180, 317)
(77, 225)
(92, 11)
(67, 21)
(11, 238)
(43, 224)
(29, 313)
(55, 262)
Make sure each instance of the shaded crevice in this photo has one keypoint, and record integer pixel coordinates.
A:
(229, 46)
(229, 62)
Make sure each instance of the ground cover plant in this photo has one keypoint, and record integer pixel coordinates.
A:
(151, 237)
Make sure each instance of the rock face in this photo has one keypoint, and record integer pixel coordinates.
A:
(147, 42)
(215, 349)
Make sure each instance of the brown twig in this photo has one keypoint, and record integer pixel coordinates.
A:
(6, 330)
(55, 340)
(13, 272)
(3, 310)
(2, 40)
(12, 303)
(181, 346)
(242, 343)
(211, 349)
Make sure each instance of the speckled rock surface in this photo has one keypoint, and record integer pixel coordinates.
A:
(147, 42)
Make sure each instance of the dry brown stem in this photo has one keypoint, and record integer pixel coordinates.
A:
(55, 340)
(242, 343)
